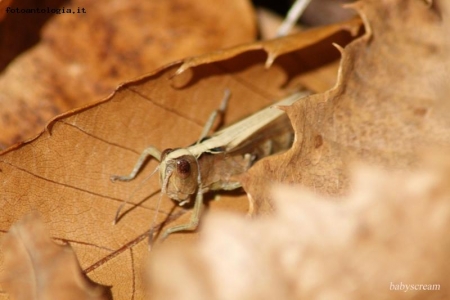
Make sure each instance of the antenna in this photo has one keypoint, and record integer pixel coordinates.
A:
(165, 182)
(116, 218)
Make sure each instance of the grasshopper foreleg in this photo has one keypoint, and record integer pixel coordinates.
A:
(150, 151)
(193, 221)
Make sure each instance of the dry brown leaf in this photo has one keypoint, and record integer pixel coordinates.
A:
(64, 173)
(389, 102)
(81, 58)
(274, 48)
(3, 5)
(38, 269)
(18, 35)
(390, 233)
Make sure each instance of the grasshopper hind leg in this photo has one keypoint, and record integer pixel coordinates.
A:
(218, 113)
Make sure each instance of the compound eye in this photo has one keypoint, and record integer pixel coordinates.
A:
(183, 168)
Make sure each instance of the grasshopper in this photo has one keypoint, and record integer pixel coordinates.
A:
(215, 162)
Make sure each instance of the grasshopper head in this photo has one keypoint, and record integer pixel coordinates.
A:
(178, 174)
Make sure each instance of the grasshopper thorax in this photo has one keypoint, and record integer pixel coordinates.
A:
(178, 174)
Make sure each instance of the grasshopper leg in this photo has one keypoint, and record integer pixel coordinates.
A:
(218, 112)
(150, 151)
(193, 222)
